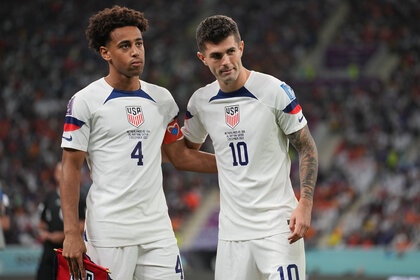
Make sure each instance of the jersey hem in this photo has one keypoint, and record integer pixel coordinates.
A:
(75, 147)
(258, 236)
(303, 124)
(133, 243)
(195, 141)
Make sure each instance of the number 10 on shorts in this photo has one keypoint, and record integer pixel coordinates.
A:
(291, 269)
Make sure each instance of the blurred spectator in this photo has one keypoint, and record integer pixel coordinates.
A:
(4, 216)
(51, 227)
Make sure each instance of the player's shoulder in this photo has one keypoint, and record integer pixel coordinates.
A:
(89, 98)
(270, 85)
(155, 91)
(270, 90)
(264, 80)
(206, 92)
(146, 86)
(96, 90)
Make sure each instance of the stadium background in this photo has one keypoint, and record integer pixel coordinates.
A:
(354, 66)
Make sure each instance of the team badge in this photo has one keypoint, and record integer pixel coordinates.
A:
(232, 115)
(289, 91)
(70, 107)
(134, 115)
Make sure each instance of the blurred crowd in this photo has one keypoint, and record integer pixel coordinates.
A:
(368, 195)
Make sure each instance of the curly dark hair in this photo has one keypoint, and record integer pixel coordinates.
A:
(102, 23)
(215, 29)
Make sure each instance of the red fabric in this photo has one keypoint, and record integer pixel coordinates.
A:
(93, 271)
(173, 132)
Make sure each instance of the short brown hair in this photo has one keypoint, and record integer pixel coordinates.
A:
(215, 29)
(102, 23)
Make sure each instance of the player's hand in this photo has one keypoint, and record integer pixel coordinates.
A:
(43, 235)
(300, 220)
(73, 250)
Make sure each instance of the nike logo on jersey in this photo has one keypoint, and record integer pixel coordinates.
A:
(301, 119)
(68, 138)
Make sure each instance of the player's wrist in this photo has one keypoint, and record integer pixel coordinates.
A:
(72, 232)
(307, 202)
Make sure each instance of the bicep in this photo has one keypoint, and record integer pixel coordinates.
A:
(174, 150)
(72, 159)
(179, 151)
(177, 148)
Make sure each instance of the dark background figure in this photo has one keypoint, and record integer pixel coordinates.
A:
(4, 216)
(51, 228)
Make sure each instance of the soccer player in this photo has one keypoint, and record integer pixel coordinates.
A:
(119, 124)
(251, 117)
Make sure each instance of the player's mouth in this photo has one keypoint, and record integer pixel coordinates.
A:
(137, 63)
(227, 71)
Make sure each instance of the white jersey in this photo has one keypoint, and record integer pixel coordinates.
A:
(122, 133)
(248, 129)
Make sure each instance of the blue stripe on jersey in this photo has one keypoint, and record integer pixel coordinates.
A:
(121, 93)
(188, 115)
(291, 106)
(73, 121)
(242, 92)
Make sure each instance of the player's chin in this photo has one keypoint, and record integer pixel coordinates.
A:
(136, 72)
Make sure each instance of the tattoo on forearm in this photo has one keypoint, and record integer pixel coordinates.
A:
(308, 161)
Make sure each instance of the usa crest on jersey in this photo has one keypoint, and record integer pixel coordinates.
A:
(134, 115)
(232, 115)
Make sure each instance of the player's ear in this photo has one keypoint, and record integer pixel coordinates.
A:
(202, 58)
(105, 53)
(241, 47)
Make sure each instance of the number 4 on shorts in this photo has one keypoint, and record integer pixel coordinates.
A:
(178, 267)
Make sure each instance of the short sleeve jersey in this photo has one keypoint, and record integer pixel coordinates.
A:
(248, 129)
(122, 133)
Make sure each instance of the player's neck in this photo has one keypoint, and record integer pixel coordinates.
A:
(236, 84)
(124, 83)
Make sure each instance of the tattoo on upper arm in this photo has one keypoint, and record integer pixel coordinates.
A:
(308, 160)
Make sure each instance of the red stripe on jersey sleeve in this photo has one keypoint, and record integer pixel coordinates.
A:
(296, 110)
(70, 127)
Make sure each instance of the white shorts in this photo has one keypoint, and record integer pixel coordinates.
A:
(158, 260)
(267, 258)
